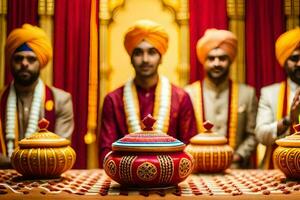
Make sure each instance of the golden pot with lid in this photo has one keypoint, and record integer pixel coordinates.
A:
(43, 154)
(286, 156)
(210, 151)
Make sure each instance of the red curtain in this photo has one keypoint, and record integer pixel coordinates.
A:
(204, 14)
(71, 64)
(18, 13)
(265, 21)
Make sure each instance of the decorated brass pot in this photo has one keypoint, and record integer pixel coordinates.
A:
(287, 155)
(148, 159)
(210, 151)
(43, 154)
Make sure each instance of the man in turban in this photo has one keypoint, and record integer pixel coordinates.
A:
(230, 106)
(278, 108)
(27, 99)
(148, 93)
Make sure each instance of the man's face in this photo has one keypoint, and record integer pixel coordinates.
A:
(292, 66)
(145, 60)
(217, 64)
(25, 67)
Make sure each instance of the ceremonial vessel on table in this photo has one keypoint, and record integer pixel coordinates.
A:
(287, 155)
(210, 151)
(148, 159)
(43, 154)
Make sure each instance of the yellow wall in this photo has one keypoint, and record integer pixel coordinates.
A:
(124, 17)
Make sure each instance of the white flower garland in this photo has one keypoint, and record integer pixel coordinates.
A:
(11, 112)
(162, 105)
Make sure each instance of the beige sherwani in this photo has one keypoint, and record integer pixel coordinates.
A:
(64, 121)
(216, 111)
(266, 122)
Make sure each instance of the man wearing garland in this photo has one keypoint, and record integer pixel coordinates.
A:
(27, 99)
(148, 93)
(279, 108)
(230, 106)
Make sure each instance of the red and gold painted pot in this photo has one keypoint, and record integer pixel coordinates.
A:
(148, 159)
(43, 154)
(286, 156)
(210, 151)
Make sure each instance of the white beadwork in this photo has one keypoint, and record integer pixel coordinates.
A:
(163, 101)
(11, 112)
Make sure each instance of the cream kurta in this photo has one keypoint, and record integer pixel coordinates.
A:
(216, 111)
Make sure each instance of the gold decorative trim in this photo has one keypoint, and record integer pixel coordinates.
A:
(46, 7)
(166, 169)
(185, 167)
(146, 171)
(3, 7)
(236, 14)
(111, 167)
(46, 13)
(292, 12)
(125, 168)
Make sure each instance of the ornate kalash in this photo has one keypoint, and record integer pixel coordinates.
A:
(210, 151)
(286, 156)
(148, 159)
(43, 154)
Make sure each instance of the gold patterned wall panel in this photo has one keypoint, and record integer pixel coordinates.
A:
(236, 15)
(3, 11)
(292, 12)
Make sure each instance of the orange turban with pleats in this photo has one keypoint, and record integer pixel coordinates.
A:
(214, 38)
(34, 37)
(286, 44)
(149, 31)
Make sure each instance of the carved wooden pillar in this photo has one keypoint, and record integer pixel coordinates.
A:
(181, 10)
(3, 12)
(46, 12)
(236, 14)
(292, 12)
(106, 10)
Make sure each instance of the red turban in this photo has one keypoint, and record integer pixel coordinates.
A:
(286, 44)
(214, 38)
(34, 37)
(149, 31)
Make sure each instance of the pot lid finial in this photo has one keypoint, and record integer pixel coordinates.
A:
(148, 122)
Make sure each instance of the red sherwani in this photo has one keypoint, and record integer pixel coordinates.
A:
(113, 126)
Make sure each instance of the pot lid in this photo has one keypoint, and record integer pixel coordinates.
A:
(43, 138)
(148, 140)
(291, 140)
(208, 137)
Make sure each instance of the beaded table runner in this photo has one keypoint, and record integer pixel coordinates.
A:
(95, 182)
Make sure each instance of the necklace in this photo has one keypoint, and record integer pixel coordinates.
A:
(162, 105)
(11, 113)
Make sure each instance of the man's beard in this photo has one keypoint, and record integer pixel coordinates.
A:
(25, 81)
(294, 75)
(219, 78)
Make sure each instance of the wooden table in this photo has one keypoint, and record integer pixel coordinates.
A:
(94, 184)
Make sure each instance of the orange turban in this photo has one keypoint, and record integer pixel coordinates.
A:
(149, 31)
(34, 37)
(214, 38)
(286, 44)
